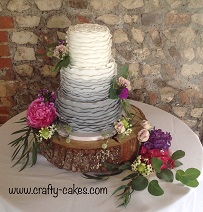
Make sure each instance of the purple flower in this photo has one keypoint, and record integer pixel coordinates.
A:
(46, 96)
(124, 93)
(158, 140)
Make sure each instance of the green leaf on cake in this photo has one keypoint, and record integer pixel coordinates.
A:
(123, 72)
(65, 62)
(113, 93)
(155, 189)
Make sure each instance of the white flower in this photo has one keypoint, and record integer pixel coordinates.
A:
(143, 135)
(142, 167)
(119, 126)
(146, 125)
(124, 82)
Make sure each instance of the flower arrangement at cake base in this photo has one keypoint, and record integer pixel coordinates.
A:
(40, 135)
(154, 159)
(150, 155)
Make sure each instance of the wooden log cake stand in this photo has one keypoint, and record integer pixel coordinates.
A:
(89, 156)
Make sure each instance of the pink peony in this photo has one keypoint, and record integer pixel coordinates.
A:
(40, 114)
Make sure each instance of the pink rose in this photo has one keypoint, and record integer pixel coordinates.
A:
(40, 114)
(143, 135)
(124, 82)
(60, 51)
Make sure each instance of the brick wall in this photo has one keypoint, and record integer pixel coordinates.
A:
(161, 40)
(6, 69)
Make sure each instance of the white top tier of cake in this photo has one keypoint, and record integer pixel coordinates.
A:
(89, 45)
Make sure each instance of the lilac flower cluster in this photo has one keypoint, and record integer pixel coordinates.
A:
(158, 140)
(47, 96)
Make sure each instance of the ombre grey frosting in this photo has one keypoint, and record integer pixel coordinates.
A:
(83, 97)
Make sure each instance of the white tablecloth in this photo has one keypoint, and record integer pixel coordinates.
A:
(176, 197)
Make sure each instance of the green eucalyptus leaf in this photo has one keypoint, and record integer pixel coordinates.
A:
(192, 173)
(155, 189)
(34, 153)
(192, 183)
(88, 176)
(111, 167)
(156, 164)
(17, 150)
(120, 188)
(126, 198)
(177, 163)
(125, 166)
(26, 162)
(20, 131)
(123, 72)
(24, 119)
(124, 106)
(139, 183)
(166, 175)
(178, 154)
(17, 141)
(130, 176)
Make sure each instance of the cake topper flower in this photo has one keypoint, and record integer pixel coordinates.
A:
(60, 51)
(120, 85)
(123, 127)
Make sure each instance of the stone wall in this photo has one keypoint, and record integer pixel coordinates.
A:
(161, 40)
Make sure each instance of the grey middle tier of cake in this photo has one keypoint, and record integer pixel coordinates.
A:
(82, 99)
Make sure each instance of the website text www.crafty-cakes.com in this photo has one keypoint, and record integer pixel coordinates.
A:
(55, 192)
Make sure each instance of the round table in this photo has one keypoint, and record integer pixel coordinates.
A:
(57, 190)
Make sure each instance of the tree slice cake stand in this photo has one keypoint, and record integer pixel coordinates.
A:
(89, 156)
